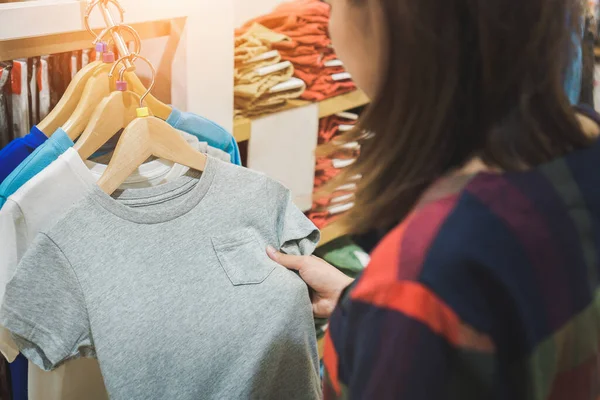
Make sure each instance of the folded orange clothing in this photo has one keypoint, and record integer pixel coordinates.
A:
(294, 17)
(327, 130)
(312, 76)
(289, 24)
(325, 88)
(325, 202)
(321, 218)
(326, 175)
(329, 127)
(305, 7)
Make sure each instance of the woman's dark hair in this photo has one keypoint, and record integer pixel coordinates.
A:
(464, 79)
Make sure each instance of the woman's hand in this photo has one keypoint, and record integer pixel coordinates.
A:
(326, 282)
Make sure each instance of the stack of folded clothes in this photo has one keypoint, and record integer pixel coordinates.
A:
(335, 125)
(263, 83)
(326, 210)
(305, 23)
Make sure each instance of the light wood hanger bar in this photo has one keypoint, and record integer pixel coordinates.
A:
(71, 41)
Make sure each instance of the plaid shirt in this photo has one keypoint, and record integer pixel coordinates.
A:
(488, 290)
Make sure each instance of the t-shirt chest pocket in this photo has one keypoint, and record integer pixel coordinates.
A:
(243, 258)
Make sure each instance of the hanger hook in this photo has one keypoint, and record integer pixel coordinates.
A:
(152, 82)
(132, 58)
(90, 8)
(136, 37)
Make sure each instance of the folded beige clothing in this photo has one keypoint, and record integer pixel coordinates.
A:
(257, 85)
(267, 103)
(256, 41)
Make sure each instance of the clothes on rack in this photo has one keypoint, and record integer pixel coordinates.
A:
(25, 97)
(18, 150)
(206, 131)
(39, 159)
(19, 98)
(59, 142)
(5, 131)
(149, 302)
(36, 206)
(258, 70)
(309, 49)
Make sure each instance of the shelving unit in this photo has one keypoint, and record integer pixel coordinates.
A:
(242, 127)
(71, 41)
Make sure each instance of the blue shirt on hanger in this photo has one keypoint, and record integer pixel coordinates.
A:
(41, 157)
(206, 131)
(17, 150)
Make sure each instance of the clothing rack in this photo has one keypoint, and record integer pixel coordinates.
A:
(31, 29)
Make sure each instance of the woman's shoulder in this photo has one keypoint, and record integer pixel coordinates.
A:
(457, 220)
(464, 239)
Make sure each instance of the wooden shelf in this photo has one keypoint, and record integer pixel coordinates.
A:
(342, 103)
(242, 129)
(331, 232)
(71, 41)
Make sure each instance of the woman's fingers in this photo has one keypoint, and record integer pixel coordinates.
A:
(290, 262)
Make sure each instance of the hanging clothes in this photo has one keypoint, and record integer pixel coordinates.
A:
(5, 129)
(206, 131)
(59, 142)
(36, 206)
(19, 98)
(18, 150)
(212, 305)
(39, 159)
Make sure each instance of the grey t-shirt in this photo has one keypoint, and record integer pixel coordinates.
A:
(171, 289)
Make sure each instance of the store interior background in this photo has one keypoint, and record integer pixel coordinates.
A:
(191, 45)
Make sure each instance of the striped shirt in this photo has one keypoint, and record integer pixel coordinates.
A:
(488, 290)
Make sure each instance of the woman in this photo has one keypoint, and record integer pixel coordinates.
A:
(487, 287)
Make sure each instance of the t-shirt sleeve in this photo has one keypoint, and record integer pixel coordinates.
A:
(297, 235)
(53, 325)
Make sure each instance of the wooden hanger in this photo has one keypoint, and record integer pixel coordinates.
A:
(97, 88)
(113, 113)
(144, 137)
(69, 101)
